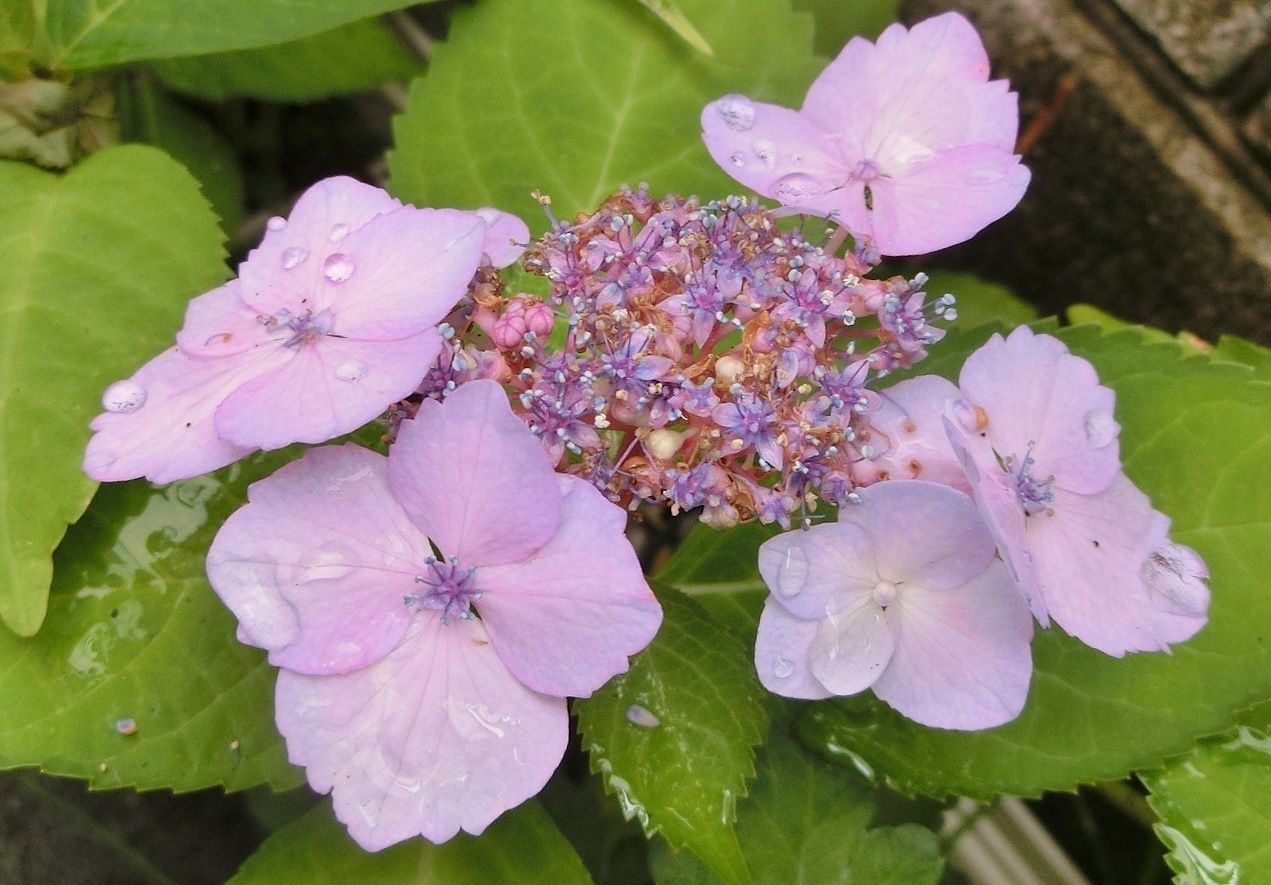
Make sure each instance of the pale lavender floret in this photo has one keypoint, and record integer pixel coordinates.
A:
(903, 596)
(417, 716)
(1036, 437)
(332, 319)
(750, 422)
(904, 141)
(697, 397)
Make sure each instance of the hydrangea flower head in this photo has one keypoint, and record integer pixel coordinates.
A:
(903, 595)
(905, 142)
(331, 319)
(1036, 435)
(430, 612)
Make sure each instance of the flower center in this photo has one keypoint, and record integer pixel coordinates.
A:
(447, 588)
(1033, 494)
(885, 593)
(305, 327)
(867, 170)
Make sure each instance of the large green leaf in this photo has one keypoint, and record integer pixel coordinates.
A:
(79, 34)
(351, 58)
(1215, 809)
(98, 266)
(523, 847)
(135, 633)
(576, 98)
(681, 772)
(1196, 436)
(806, 822)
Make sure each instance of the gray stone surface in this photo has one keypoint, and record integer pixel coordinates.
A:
(1206, 39)
(1144, 201)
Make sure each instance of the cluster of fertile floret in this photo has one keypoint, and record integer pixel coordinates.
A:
(709, 357)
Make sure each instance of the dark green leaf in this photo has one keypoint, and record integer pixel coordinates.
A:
(681, 777)
(79, 34)
(357, 56)
(523, 847)
(135, 633)
(1215, 809)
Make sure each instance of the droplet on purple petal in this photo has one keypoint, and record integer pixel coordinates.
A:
(350, 370)
(276, 223)
(737, 112)
(338, 232)
(338, 267)
(795, 187)
(124, 397)
(293, 256)
(1101, 428)
(782, 667)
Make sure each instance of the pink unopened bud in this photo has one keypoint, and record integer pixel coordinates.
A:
(539, 318)
(510, 329)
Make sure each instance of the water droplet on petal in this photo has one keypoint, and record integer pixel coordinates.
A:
(782, 667)
(1176, 576)
(293, 256)
(276, 223)
(338, 232)
(338, 267)
(737, 112)
(124, 397)
(738, 159)
(1101, 428)
(797, 187)
(350, 370)
(792, 573)
(642, 717)
(766, 151)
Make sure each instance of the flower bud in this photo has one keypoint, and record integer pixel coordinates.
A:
(539, 318)
(729, 370)
(510, 329)
(663, 444)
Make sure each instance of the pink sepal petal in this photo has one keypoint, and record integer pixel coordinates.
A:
(435, 738)
(804, 568)
(566, 619)
(316, 565)
(218, 323)
(907, 428)
(922, 533)
(323, 216)
(408, 270)
(506, 236)
(1052, 399)
(326, 388)
(853, 645)
(963, 657)
(1089, 557)
(172, 435)
(917, 91)
(778, 143)
(502, 504)
(938, 202)
(781, 654)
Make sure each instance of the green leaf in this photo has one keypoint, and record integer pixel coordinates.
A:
(677, 21)
(80, 34)
(980, 301)
(805, 821)
(1196, 436)
(574, 99)
(352, 58)
(523, 847)
(683, 776)
(152, 116)
(837, 21)
(135, 632)
(1215, 809)
(1232, 349)
(98, 266)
